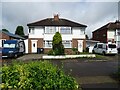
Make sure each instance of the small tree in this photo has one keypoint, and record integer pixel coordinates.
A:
(19, 31)
(58, 47)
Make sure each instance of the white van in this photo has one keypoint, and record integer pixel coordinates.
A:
(105, 48)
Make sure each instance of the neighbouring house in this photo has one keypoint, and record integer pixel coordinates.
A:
(108, 33)
(41, 34)
(8, 36)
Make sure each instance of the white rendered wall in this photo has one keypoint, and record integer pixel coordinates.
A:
(110, 34)
(76, 33)
(38, 33)
(26, 45)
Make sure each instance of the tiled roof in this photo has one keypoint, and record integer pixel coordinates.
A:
(12, 35)
(52, 22)
(111, 25)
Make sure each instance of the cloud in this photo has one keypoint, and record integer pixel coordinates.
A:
(60, 0)
(92, 14)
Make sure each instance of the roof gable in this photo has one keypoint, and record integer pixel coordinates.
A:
(111, 25)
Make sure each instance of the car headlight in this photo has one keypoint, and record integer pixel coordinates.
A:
(10, 51)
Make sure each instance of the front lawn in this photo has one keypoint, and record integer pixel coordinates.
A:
(37, 75)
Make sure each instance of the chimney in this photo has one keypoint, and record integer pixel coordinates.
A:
(56, 17)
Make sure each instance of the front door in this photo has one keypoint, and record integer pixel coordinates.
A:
(80, 45)
(34, 46)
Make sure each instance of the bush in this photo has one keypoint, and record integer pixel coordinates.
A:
(75, 50)
(58, 47)
(51, 52)
(39, 75)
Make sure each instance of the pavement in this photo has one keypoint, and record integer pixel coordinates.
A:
(90, 74)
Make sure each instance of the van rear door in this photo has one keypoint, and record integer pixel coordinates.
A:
(112, 48)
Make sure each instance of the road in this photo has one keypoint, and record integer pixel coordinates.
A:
(92, 74)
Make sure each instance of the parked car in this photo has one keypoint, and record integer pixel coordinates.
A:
(105, 48)
(13, 48)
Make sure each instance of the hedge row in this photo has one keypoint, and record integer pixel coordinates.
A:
(39, 75)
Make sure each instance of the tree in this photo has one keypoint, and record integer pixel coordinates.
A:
(58, 47)
(5, 30)
(19, 31)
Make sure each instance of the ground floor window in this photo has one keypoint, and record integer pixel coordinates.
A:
(48, 44)
(67, 44)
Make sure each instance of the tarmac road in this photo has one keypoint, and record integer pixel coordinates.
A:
(92, 74)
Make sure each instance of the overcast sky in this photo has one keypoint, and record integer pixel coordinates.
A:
(93, 14)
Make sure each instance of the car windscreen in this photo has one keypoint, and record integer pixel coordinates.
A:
(111, 46)
(9, 45)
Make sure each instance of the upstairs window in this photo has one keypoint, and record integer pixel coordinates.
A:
(50, 30)
(65, 30)
(31, 30)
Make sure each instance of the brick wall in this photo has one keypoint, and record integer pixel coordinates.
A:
(39, 43)
(75, 43)
(100, 35)
(5, 36)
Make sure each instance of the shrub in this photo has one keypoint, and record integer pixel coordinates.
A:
(58, 47)
(51, 52)
(75, 50)
(39, 75)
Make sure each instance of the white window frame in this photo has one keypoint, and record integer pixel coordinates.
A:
(67, 42)
(65, 30)
(32, 30)
(48, 44)
(50, 30)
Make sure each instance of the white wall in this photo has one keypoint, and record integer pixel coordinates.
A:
(38, 33)
(76, 33)
(0, 43)
(26, 45)
(110, 34)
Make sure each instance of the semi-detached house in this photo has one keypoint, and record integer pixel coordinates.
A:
(40, 34)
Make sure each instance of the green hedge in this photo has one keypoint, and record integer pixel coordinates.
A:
(39, 75)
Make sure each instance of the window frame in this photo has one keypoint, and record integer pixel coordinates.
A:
(50, 28)
(31, 30)
(64, 28)
(67, 42)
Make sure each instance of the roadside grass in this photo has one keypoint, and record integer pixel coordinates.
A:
(98, 56)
